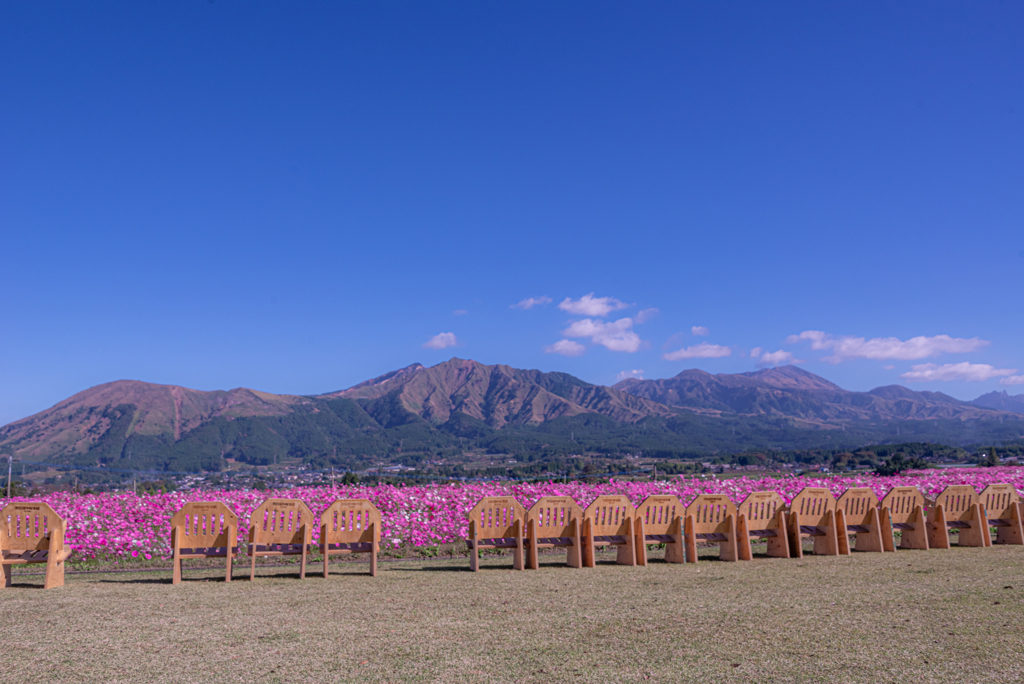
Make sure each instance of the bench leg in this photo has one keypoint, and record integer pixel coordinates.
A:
(54, 574)
(252, 568)
(228, 564)
(302, 565)
(474, 556)
(373, 560)
(689, 539)
(7, 577)
(323, 552)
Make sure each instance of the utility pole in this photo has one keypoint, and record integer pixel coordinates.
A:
(332, 480)
(10, 464)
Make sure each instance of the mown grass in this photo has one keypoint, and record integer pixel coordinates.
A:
(938, 616)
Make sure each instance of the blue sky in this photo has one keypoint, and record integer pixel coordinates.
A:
(297, 197)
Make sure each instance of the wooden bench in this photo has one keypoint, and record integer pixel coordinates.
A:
(203, 529)
(1003, 510)
(814, 513)
(661, 522)
(350, 526)
(496, 522)
(903, 509)
(711, 517)
(860, 508)
(32, 532)
(554, 522)
(280, 527)
(762, 515)
(609, 521)
(957, 507)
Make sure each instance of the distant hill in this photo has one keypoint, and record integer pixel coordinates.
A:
(796, 393)
(1001, 401)
(417, 413)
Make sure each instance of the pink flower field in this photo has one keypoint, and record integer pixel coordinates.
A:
(127, 525)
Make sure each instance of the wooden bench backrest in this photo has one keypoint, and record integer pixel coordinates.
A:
(812, 503)
(495, 517)
(348, 522)
(709, 513)
(759, 508)
(857, 503)
(956, 501)
(552, 516)
(901, 502)
(999, 500)
(280, 521)
(205, 524)
(26, 526)
(608, 515)
(659, 513)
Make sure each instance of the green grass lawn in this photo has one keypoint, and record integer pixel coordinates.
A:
(912, 616)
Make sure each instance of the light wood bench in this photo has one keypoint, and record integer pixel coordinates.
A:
(762, 515)
(203, 529)
(610, 520)
(711, 517)
(554, 522)
(1003, 510)
(280, 527)
(350, 526)
(32, 532)
(661, 522)
(496, 522)
(903, 509)
(860, 508)
(814, 513)
(957, 507)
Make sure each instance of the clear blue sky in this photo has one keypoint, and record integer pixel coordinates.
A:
(296, 197)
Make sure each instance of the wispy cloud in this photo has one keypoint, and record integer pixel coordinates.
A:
(1013, 380)
(638, 374)
(589, 305)
(531, 302)
(459, 312)
(700, 330)
(441, 341)
(967, 372)
(846, 347)
(614, 335)
(704, 350)
(756, 352)
(565, 348)
(777, 358)
(645, 315)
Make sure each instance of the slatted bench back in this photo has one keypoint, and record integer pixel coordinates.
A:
(857, 503)
(348, 522)
(609, 516)
(812, 504)
(901, 502)
(1000, 500)
(27, 526)
(956, 501)
(205, 525)
(710, 512)
(280, 521)
(495, 517)
(552, 516)
(659, 513)
(759, 509)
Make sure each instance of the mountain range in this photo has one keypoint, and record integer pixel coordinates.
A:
(414, 412)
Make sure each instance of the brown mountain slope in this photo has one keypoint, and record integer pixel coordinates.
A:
(74, 425)
(793, 392)
(500, 395)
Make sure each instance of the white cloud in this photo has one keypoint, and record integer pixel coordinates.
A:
(531, 302)
(703, 350)
(700, 330)
(968, 372)
(459, 312)
(638, 374)
(441, 341)
(645, 315)
(777, 358)
(846, 347)
(565, 348)
(889, 367)
(755, 352)
(615, 335)
(589, 305)
(1013, 380)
